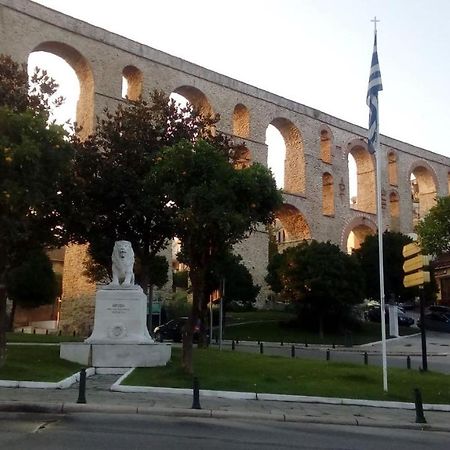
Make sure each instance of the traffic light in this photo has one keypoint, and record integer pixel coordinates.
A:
(414, 264)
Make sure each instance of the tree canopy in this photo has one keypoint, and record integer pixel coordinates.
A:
(434, 229)
(322, 281)
(34, 169)
(116, 194)
(215, 206)
(367, 255)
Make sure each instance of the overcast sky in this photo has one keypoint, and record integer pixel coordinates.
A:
(316, 52)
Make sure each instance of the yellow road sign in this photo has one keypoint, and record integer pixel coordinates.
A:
(416, 278)
(416, 263)
(411, 249)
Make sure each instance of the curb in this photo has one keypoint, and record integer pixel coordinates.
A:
(67, 408)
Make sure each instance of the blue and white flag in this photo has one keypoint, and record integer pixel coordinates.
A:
(375, 86)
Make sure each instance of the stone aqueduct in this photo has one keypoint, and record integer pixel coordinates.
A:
(317, 145)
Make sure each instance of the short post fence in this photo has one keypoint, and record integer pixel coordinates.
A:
(366, 359)
(196, 394)
(233, 345)
(420, 418)
(82, 387)
(328, 355)
(261, 348)
(293, 351)
(408, 362)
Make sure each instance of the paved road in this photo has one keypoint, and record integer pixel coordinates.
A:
(110, 432)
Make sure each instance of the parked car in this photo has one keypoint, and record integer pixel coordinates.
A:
(173, 330)
(439, 309)
(374, 315)
(436, 321)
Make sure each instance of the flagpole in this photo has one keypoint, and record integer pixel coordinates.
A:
(375, 85)
(381, 263)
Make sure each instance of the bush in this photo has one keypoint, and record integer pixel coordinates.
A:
(177, 306)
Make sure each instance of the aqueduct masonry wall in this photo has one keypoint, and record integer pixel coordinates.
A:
(317, 145)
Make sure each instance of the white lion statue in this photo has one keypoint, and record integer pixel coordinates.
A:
(122, 263)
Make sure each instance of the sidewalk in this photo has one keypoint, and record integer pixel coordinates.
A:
(100, 398)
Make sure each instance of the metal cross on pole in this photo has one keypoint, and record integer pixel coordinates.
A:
(375, 20)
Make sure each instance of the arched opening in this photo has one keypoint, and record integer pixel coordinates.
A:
(394, 211)
(197, 99)
(326, 143)
(276, 154)
(242, 157)
(355, 232)
(131, 83)
(80, 92)
(327, 194)
(423, 191)
(294, 164)
(392, 169)
(291, 227)
(365, 198)
(241, 121)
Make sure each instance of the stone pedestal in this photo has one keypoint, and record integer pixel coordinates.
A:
(120, 337)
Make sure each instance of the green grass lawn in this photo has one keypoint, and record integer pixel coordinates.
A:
(246, 372)
(36, 363)
(273, 331)
(41, 338)
(258, 315)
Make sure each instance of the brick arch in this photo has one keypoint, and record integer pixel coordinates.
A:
(294, 225)
(365, 176)
(134, 79)
(196, 98)
(294, 166)
(326, 143)
(241, 121)
(425, 190)
(363, 226)
(83, 70)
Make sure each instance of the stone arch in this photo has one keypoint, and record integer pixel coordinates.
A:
(241, 121)
(132, 79)
(327, 194)
(355, 232)
(291, 226)
(423, 189)
(83, 70)
(197, 99)
(294, 165)
(394, 210)
(365, 199)
(392, 168)
(326, 144)
(242, 157)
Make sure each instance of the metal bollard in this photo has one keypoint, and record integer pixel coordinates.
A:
(293, 351)
(420, 418)
(233, 345)
(261, 348)
(328, 354)
(237, 341)
(196, 394)
(366, 359)
(408, 362)
(334, 346)
(59, 333)
(281, 343)
(82, 387)
(306, 342)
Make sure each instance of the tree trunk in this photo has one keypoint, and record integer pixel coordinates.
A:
(3, 323)
(11, 316)
(197, 283)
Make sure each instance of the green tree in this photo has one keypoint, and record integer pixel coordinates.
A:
(116, 195)
(367, 254)
(34, 169)
(434, 229)
(322, 281)
(215, 206)
(33, 283)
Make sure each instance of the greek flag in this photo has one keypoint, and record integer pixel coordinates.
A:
(375, 85)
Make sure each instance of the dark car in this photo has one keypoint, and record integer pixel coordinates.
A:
(374, 315)
(173, 330)
(436, 321)
(439, 309)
